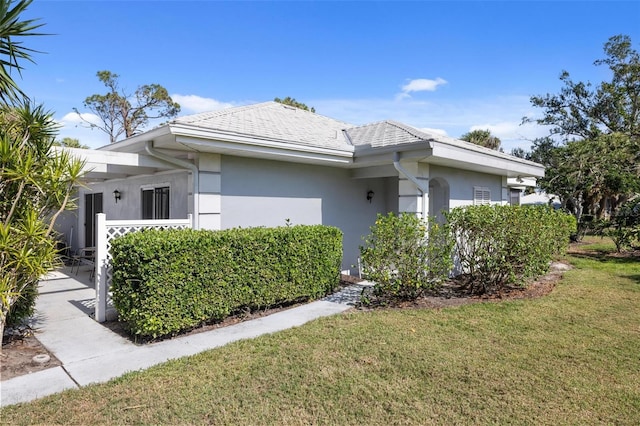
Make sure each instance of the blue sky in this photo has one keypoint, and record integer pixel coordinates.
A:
(450, 66)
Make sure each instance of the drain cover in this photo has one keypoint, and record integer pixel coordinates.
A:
(41, 359)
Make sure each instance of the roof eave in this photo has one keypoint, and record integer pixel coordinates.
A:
(197, 139)
(487, 161)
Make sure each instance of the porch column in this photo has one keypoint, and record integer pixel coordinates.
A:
(410, 197)
(101, 265)
(209, 166)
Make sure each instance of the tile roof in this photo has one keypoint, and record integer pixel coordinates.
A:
(392, 133)
(386, 133)
(275, 121)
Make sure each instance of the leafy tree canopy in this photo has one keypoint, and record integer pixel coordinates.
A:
(482, 138)
(584, 111)
(70, 143)
(594, 167)
(292, 102)
(125, 113)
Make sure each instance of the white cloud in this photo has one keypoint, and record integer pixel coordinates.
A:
(71, 126)
(72, 118)
(422, 85)
(196, 104)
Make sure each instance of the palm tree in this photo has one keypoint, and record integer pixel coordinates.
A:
(12, 52)
(482, 138)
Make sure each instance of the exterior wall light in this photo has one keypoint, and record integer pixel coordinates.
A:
(116, 195)
(370, 195)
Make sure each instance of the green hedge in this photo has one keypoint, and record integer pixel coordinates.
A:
(499, 245)
(406, 256)
(172, 280)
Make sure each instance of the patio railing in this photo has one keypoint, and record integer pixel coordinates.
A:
(106, 231)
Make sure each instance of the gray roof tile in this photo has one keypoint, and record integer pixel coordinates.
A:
(278, 122)
(275, 121)
(384, 133)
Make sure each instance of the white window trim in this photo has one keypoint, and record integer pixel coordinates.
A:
(154, 186)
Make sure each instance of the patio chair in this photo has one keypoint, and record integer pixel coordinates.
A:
(84, 256)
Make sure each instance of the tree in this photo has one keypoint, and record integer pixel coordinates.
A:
(292, 102)
(70, 143)
(126, 113)
(482, 138)
(594, 166)
(12, 51)
(36, 183)
(582, 111)
(519, 152)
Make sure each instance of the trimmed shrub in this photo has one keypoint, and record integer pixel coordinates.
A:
(499, 245)
(167, 281)
(406, 256)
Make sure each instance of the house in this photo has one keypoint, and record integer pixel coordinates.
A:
(268, 163)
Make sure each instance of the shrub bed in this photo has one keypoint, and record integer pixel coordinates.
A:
(168, 281)
(498, 245)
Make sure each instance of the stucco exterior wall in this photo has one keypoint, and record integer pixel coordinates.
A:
(130, 204)
(462, 182)
(267, 193)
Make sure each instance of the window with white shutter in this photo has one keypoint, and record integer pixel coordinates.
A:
(481, 196)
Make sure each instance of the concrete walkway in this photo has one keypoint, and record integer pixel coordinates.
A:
(91, 353)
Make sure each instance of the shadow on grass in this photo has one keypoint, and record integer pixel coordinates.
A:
(624, 259)
(606, 256)
(634, 277)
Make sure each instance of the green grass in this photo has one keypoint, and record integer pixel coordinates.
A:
(572, 357)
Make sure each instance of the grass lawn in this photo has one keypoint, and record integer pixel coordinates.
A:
(572, 357)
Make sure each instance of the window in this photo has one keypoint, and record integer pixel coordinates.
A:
(155, 203)
(481, 195)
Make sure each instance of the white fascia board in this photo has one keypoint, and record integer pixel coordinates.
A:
(135, 142)
(216, 135)
(419, 148)
(250, 146)
(500, 163)
(100, 161)
(366, 156)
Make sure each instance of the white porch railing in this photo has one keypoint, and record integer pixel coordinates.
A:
(107, 230)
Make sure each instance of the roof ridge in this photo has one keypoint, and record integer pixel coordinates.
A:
(409, 129)
(219, 112)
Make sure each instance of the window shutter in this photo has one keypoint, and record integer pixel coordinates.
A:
(481, 196)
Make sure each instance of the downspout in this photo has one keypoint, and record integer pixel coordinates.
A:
(148, 147)
(412, 178)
